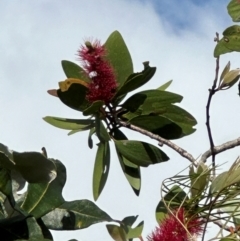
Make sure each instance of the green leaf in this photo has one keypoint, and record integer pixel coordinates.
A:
(147, 99)
(173, 199)
(135, 232)
(74, 97)
(116, 232)
(74, 215)
(158, 125)
(73, 70)
(234, 10)
(221, 48)
(119, 57)
(199, 179)
(5, 182)
(175, 114)
(95, 106)
(33, 166)
(230, 41)
(131, 171)
(140, 153)
(90, 141)
(35, 232)
(226, 179)
(69, 124)
(101, 168)
(101, 131)
(136, 80)
(41, 198)
(165, 85)
(131, 232)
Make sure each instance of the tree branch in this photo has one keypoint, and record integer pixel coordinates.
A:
(161, 141)
(221, 148)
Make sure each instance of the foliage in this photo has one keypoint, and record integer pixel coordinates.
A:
(100, 89)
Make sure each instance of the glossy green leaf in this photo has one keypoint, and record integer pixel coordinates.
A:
(234, 10)
(74, 97)
(119, 57)
(165, 85)
(131, 171)
(73, 70)
(140, 153)
(5, 181)
(136, 80)
(158, 125)
(116, 232)
(101, 130)
(69, 124)
(41, 198)
(173, 199)
(74, 215)
(90, 141)
(93, 108)
(147, 99)
(101, 168)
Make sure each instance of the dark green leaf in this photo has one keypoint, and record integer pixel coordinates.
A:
(234, 10)
(90, 141)
(73, 70)
(101, 168)
(140, 153)
(69, 124)
(41, 198)
(74, 215)
(101, 131)
(95, 106)
(136, 80)
(177, 115)
(173, 199)
(74, 97)
(34, 167)
(119, 57)
(165, 86)
(158, 125)
(150, 98)
(131, 171)
(116, 232)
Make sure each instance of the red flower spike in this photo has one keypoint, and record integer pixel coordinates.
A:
(103, 85)
(177, 227)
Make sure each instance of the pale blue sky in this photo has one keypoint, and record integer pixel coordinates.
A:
(176, 38)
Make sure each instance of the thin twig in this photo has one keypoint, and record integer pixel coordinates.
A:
(161, 140)
(212, 91)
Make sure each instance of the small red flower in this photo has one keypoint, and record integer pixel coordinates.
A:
(177, 227)
(103, 84)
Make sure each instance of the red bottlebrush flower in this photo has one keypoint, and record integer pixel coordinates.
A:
(177, 227)
(103, 84)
